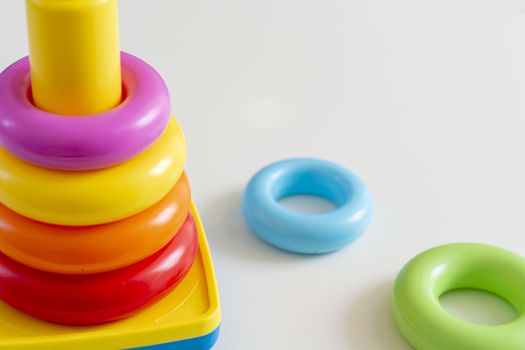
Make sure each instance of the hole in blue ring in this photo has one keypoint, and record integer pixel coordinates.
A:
(307, 204)
(318, 182)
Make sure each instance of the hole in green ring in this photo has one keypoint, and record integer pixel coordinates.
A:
(478, 307)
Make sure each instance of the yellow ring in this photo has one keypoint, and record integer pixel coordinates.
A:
(98, 196)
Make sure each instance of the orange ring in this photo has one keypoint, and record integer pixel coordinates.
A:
(99, 248)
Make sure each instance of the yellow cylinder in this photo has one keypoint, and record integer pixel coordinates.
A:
(74, 55)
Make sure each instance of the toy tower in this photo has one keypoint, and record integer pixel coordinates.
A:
(101, 246)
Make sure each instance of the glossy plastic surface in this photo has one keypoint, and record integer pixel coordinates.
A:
(74, 55)
(428, 326)
(97, 196)
(89, 249)
(90, 142)
(188, 311)
(304, 233)
(102, 297)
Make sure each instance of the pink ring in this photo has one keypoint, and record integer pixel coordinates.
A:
(83, 142)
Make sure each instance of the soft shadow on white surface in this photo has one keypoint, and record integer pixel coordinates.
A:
(370, 315)
(228, 232)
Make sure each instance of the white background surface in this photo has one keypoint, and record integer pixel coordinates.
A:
(424, 99)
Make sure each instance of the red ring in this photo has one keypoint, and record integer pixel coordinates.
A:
(100, 297)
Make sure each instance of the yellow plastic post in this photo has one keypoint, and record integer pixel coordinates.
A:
(74, 55)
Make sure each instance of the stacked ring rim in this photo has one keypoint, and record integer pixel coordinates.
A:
(102, 297)
(83, 142)
(93, 249)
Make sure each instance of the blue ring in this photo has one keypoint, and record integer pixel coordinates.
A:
(305, 233)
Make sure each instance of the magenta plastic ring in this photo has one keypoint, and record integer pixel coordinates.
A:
(83, 142)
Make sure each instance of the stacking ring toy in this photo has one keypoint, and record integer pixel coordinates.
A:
(83, 142)
(428, 326)
(303, 233)
(96, 196)
(101, 297)
(90, 249)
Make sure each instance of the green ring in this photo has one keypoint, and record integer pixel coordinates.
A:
(428, 326)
